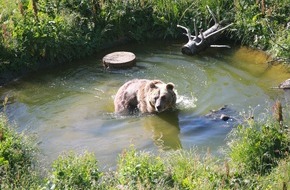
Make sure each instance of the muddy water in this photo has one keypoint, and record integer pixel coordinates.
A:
(71, 108)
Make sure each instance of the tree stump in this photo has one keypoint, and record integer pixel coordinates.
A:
(120, 59)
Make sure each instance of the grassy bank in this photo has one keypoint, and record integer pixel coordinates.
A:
(17, 159)
(39, 33)
(257, 157)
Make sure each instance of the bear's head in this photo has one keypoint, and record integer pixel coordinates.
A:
(162, 96)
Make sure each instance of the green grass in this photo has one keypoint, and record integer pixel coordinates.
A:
(258, 147)
(17, 159)
(141, 169)
(185, 169)
(72, 171)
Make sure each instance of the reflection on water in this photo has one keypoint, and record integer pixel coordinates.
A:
(165, 130)
(71, 108)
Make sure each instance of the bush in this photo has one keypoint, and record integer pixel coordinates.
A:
(191, 171)
(141, 169)
(279, 178)
(260, 24)
(72, 171)
(17, 159)
(258, 146)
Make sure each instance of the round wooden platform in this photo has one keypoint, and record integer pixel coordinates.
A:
(120, 59)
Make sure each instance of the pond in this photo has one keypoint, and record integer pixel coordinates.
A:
(71, 107)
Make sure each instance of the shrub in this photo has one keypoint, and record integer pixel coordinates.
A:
(261, 24)
(258, 146)
(72, 171)
(141, 169)
(191, 170)
(279, 178)
(17, 158)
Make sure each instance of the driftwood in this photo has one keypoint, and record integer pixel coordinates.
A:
(202, 40)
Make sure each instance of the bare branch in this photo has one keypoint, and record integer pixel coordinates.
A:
(219, 30)
(220, 46)
(193, 37)
(202, 38)
(201, 34)
(187, 31)
(213, 16)
(195, 28)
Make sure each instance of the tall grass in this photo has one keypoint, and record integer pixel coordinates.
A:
(17, 159)
(72, 171)
(258, 147)
(140, 169)
(262, 24)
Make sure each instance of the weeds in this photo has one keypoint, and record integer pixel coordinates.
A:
(136, 169)
(191, 171)
(258, 147)
(72, 171)
(17, 159)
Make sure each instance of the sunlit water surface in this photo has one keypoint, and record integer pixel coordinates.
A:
(71, 108)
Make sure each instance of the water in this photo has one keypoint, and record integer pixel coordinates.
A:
(71, 108)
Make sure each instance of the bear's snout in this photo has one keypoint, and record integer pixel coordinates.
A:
(159, 108)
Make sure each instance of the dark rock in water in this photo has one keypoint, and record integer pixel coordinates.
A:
(224, 114)
(215, 123)
(285, 84)
(225, 117)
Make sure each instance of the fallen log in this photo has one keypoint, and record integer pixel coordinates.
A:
(199, 42)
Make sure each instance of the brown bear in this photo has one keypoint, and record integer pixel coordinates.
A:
(145, 96)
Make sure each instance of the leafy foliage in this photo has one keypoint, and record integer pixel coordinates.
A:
(191, 171)
(17, 159)
(72, 171)
(141, 169)
(258, 147)
(259, 23)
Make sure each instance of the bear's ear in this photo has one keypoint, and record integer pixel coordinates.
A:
(170, 86)
(152, 85)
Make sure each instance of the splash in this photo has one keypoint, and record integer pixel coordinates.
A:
(185, 102)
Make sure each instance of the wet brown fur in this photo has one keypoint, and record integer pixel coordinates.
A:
(145, 96)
